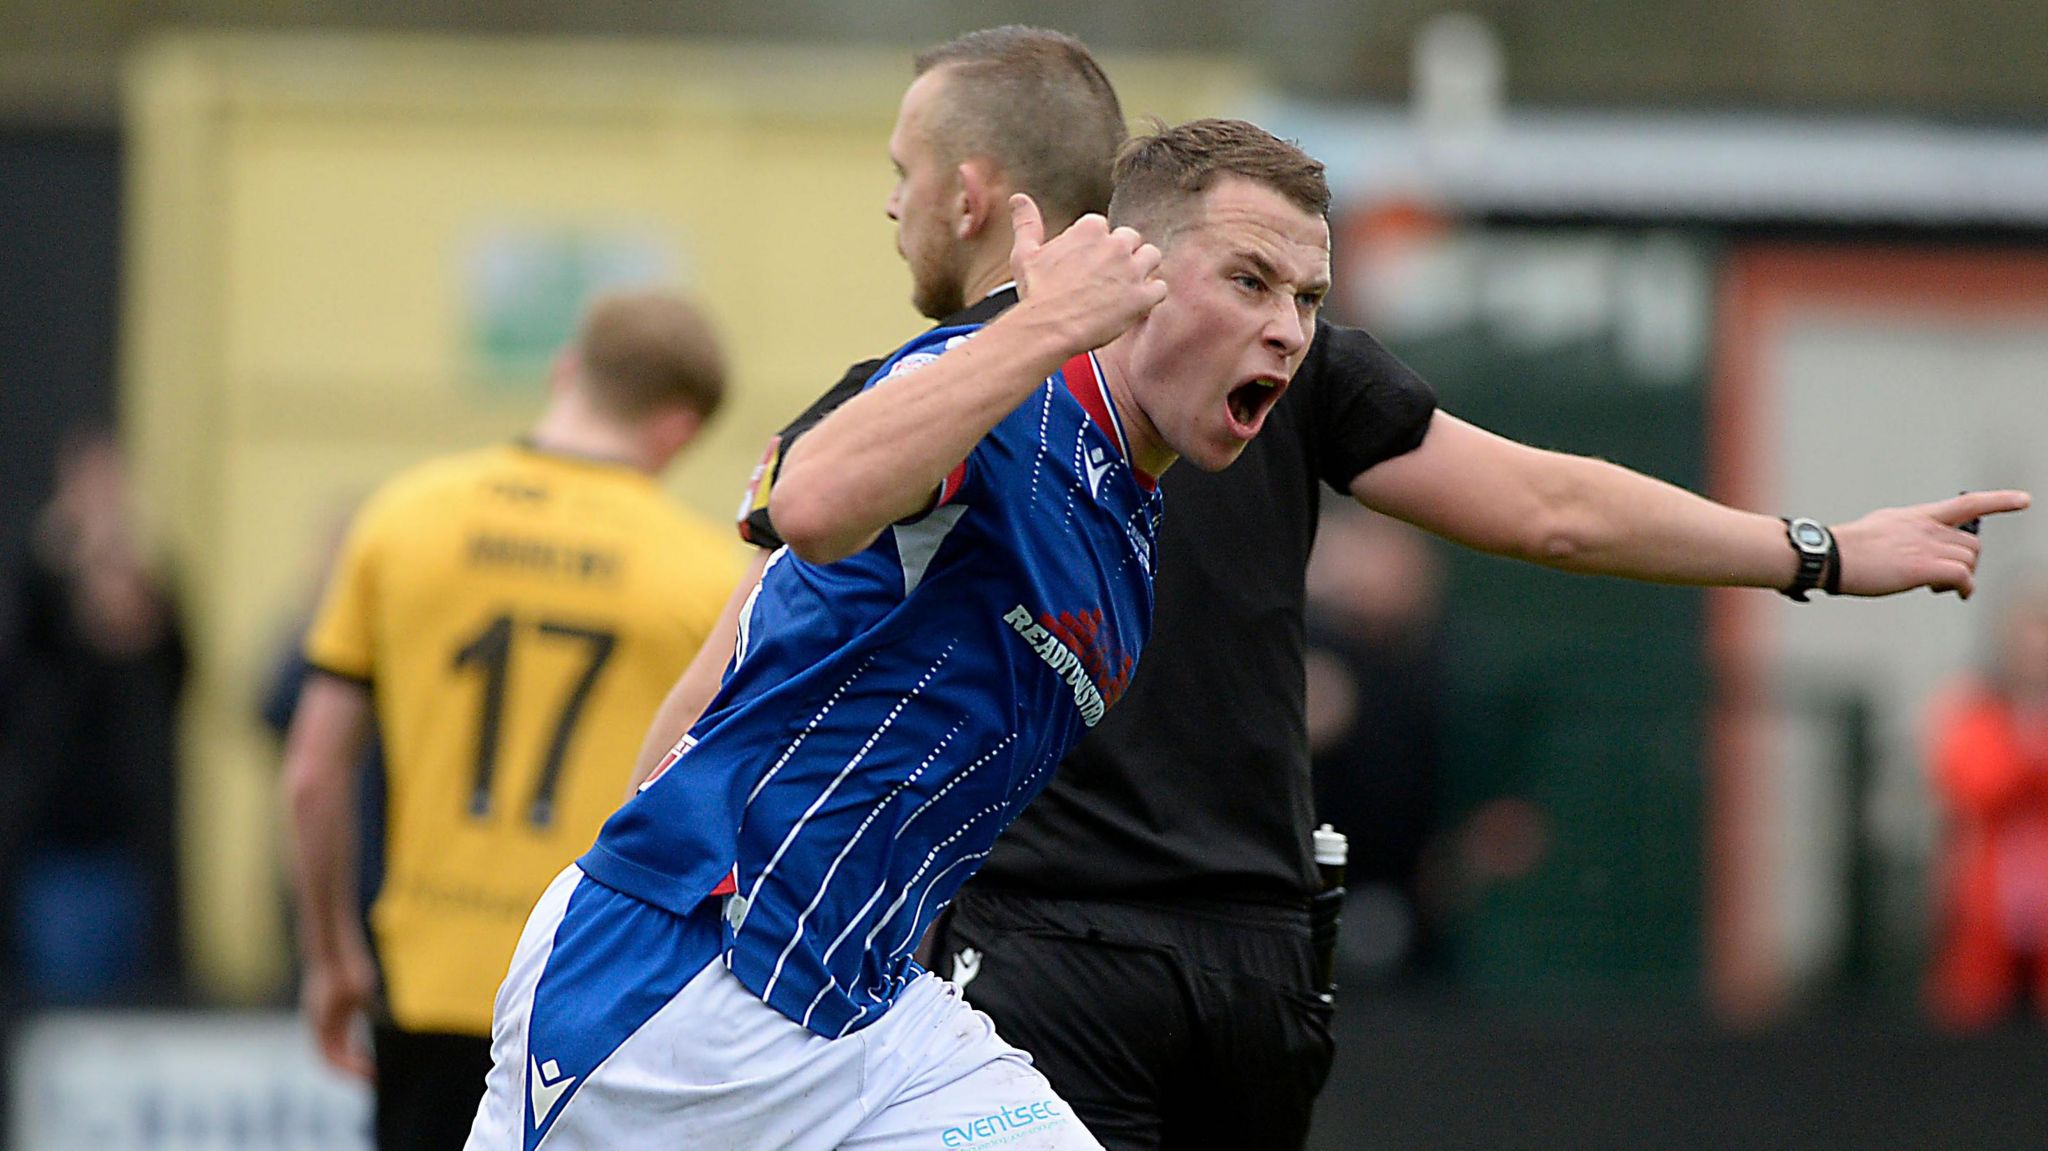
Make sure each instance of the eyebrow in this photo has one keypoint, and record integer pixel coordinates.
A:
(1264, 267)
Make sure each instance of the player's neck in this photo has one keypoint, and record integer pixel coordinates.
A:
(1149, 451)
(569, 431)
(988, 268)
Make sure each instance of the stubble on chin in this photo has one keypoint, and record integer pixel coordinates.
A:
(936, 301)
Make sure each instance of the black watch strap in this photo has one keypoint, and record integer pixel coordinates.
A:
(1816, 562)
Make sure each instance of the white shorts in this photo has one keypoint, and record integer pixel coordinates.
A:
(618, 1028)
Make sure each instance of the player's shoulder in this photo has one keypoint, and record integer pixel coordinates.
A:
(432, 482)
(453, 470)
(685, 526)
(924, 349)
(651, 521)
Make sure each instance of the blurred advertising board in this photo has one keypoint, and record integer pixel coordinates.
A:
(97, 1081)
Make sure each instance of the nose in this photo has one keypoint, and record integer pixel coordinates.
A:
(890, 206)
(1287, 330)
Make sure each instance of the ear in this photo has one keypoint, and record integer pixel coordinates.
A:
(984, 197)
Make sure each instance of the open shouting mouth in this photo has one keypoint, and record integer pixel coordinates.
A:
(1250, 401)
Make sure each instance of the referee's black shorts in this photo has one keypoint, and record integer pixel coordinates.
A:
(428, 1087)
(1166, 1029)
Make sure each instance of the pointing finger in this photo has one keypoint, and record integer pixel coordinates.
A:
(1958, 510)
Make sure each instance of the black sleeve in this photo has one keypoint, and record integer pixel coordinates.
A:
(754, 524)
(1369, 405)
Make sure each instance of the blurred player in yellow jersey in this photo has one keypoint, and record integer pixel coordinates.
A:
(511, 616)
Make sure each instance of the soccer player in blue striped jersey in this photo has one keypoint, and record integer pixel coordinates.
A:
(966, 588)
(897, 755)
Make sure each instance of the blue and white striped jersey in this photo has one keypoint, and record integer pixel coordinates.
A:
(885, 716)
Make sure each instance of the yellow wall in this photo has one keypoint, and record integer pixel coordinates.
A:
(306, 217)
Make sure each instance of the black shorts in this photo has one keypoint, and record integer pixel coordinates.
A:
(1167, 1028)
(428, 1086)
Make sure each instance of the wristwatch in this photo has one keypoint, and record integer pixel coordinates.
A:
(1819, 558)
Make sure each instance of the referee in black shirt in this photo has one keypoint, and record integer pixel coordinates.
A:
(1143, 928)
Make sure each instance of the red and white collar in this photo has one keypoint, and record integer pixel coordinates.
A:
(1084, 380)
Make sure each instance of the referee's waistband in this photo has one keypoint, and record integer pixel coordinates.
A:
(1174, 905)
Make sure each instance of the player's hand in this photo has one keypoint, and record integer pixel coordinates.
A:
(1092, 281)
(336, 994)
(1897, 549)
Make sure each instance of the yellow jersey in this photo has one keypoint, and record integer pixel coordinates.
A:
(519, 616)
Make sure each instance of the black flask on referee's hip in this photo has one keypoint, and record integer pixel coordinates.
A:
(1332, 849)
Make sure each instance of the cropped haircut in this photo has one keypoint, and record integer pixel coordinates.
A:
(641, 350)
(1160, 176)
(1036, 102)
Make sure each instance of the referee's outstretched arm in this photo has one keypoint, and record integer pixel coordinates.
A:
(1586, 515)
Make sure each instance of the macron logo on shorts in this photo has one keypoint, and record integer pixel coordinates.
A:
(545, 1086)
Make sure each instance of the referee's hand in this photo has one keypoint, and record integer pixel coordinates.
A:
(1898, 549)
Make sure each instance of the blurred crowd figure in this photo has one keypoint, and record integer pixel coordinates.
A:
(1990, 771)
(1375, 714)
(94, 665)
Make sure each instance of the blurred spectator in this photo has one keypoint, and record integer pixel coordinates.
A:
(88, 741)
(1990, 765)
(1374, 715)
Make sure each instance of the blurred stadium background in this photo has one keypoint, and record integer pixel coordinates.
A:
(1672, 881)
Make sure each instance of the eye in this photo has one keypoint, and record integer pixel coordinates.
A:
(1310, 301)
(1248, 282)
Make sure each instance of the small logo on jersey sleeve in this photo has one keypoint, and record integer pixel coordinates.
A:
(675, 753)
(759, 485)
(922, 358)
(910, 363)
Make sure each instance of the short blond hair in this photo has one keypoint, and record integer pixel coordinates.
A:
(640, 350)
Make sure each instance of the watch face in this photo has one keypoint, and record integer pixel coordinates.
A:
(1809, 535)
